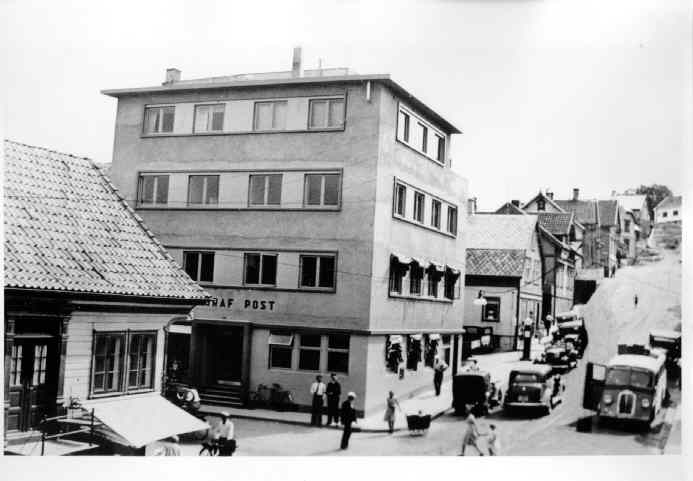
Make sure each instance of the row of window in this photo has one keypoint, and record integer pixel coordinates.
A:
(417, 134)
(309, 352)
(418, 348)
(320, 190)
(123, 361)
(414, 279)
(267, 116)
(260, 269)
(419, 208)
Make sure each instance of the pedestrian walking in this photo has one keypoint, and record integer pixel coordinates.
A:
(548, 320)
(439, 368)
(635, 300)
(348, 416)
(471, 435)
(334, 391)
(317, 389)
(391, 404)
(168, 447)
(493, 441)
(226, 435)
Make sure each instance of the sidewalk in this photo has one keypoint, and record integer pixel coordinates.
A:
(498, 365)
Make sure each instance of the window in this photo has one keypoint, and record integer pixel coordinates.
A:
(665, 214)
(435, 213)
(326, 113)
(434, 277)
(413, 351)
(203, 189)
(280, 351)
(424, 138)
(397, 273)
(400, 199)
(627, 226)
(322, 189)
(491, 311)
(141, 361)
(445, 341)
(415, 279)
(265, 189)
(153, 189)
(451, 287)
(338, 353)
(541, 204)
(159, 120)
(440, 150)
(16, 365)
(452, 220)
(404, 120)
(419, 202)
(261, 269)
(309, 352)
(40, 353)
(199, 265)
(675, 213)
(270, 115)
(209, 118)
(109, 355)
(317, 272)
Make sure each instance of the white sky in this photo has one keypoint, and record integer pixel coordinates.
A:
(552, 93)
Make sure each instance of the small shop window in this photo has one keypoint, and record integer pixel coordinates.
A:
(491, 311)
(309, 352)
(280, 350)
(338, 353)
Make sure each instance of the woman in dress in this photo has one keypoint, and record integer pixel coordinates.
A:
(391, 403)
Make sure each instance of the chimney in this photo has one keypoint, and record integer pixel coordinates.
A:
(515, 202)
(471, 206)
(549, 194)
(172, 75)
(296, 70)
(576, 194)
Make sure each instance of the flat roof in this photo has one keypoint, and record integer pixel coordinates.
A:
(650, 363)
(187, 86)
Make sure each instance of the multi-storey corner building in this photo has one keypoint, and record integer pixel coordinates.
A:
(319, 209)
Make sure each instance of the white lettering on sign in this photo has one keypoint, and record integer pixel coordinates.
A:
(247, 304)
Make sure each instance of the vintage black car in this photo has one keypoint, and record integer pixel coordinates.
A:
(532, 386)
(571, 328)
(561, 356)
(474, 389)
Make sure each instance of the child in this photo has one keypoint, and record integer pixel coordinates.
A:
(493, 441)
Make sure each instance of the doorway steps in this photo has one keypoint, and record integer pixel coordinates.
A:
(222, 395)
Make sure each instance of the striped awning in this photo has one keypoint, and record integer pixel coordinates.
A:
(402, 259)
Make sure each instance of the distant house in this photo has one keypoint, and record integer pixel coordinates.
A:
(88, 292)
(504, 265)
(610, 225)
(668, 210)
(637, 205)
(587, 214)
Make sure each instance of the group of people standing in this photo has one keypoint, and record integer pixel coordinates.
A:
(335, 413)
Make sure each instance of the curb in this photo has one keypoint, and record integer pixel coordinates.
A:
(356, 429)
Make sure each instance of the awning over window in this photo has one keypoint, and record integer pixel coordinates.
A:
(416, 337)
(437, 266)
(395, 339)
(136, 421)
(401, 258)
(454, 271)
(420, 261)
(179, 329)
(434, 337)
(281, 339)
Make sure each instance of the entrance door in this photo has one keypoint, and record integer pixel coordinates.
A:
(30, 381)
(228, 352)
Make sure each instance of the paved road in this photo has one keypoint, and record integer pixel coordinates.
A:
(611, 318)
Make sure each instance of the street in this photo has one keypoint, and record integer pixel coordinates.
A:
(611, 318)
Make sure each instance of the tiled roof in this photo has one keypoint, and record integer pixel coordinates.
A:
(670, 201)
(510, 209)
(585, 210)
(498, 231)
(66, 229)
(495, 262)
(556, 222)
(608, 210)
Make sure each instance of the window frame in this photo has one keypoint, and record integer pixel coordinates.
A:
(266, 190)
(205, 189)
(318, 264)
(210, 118)
(262, 255)
(152, 361)
(16, 359)
(148, 108)
(274, 104)
(449, 223)
(323, 184)
(199, 254)
(329, 101)
(440, 148)
(404, 135)
(416, 276)
(302, 348)
(155, 189)
(497, 302)
(419, 207)
(279, 346)
(400, 188)
(424, 138)
(338, 350)
(436, 211)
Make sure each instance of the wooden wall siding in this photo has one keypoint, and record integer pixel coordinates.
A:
(79, 346)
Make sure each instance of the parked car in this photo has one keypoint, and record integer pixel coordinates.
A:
(561, 355)
(532, 386)
(475, 389)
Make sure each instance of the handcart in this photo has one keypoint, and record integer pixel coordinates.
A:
(418, 424)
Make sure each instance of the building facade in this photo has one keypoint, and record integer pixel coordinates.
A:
(88, 293)
(668, 210)
(320, 211)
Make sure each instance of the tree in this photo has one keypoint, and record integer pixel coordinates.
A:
(655, 193)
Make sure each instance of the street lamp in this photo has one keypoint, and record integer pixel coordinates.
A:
(480, 299)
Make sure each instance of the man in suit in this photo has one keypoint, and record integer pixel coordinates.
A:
(348, 417)
(317, 389)
(334, 390)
